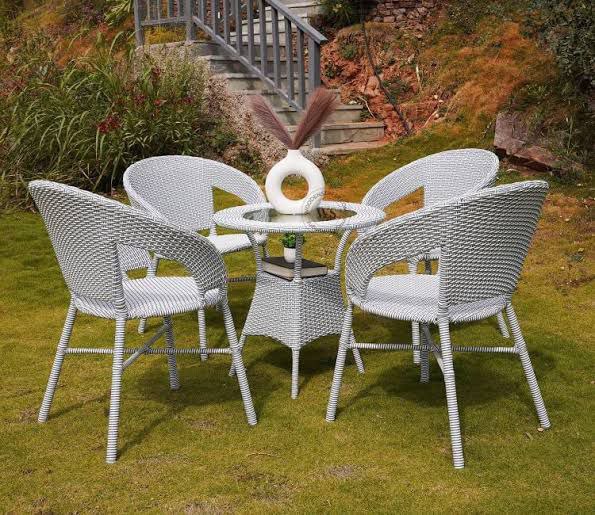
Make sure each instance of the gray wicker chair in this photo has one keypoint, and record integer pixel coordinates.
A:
(483, 240)
(179, 190)
(442, 176)
(89, 234)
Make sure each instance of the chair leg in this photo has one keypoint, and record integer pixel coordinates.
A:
(521, 347)
(502, 325)
(57, 366)
(295, 372)
(331, 410)
(174, 380)
(237, 363)
(151, 272)
(202, 333)
(415, 340)
(232, 368)
(357, 357)
(114, 408)
(451, 395)
(424, 372)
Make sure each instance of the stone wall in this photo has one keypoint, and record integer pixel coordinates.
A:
(403, 13)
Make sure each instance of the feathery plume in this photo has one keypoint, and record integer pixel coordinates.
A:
(270, 121)
(321, 105)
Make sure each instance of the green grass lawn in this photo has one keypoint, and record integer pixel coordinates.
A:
(191, 451)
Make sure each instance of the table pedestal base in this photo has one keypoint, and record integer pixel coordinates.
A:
(296, 313)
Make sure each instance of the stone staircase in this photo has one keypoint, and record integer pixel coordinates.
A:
(343, 133)
(240, 64)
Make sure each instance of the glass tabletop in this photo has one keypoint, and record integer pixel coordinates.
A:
(320, 214)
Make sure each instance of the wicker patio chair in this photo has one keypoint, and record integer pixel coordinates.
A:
(441, 176)
(88, 233)
(483, 239)
(179, 190)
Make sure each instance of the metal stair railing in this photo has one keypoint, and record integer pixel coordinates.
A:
(290, 67)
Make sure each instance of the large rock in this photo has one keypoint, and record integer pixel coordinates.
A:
(511, 139)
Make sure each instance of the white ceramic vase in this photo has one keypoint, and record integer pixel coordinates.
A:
(294, 164)
(289, 255)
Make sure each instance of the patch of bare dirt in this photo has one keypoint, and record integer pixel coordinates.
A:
(342, 471)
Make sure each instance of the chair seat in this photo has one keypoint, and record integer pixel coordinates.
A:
(226, 243)
(404, 297)
(153, 297)
(415, 297)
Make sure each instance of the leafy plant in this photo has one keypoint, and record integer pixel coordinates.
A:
(117, 11)
(340, 13)
(349, 51)
(85, 123)
(568, 28)
(331, 70)
(84, 12)
(337, 14)
(288, 240)
(396, 86)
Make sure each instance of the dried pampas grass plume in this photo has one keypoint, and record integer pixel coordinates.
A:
(321, 105)
(269, 120)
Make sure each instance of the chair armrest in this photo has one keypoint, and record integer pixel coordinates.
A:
(393, 241)
(195, 252)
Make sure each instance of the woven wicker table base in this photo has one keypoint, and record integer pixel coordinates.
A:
(295, 313)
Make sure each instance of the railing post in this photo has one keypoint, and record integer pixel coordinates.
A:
(314, 77)
(138, 27)
(190, 27)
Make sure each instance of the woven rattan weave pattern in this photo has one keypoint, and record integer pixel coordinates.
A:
(88, 232)
(483, 239)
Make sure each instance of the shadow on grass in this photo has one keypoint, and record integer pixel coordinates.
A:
(196, 389)
(480, 378)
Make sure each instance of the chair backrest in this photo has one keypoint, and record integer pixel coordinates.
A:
(180, 188)
(89, 232)
(483, 238)
(485, 243)
(82, 228)
(442, 176)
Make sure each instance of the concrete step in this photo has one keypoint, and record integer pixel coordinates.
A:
(343, 149)
(354, 132)
(250, 81)
(306, 7)
(344, 114)
(303, 9)
(228, 64)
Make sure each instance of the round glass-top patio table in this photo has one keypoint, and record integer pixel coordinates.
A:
(328, 217)
(296, 312)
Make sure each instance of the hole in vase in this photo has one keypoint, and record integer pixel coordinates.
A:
(294, 187)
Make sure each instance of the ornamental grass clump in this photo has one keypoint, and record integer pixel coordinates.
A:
(84, 123)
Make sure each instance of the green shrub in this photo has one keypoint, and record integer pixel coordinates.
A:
(349, 51)
(568, 28)
(79, 13)
(85, 123)
(117, 11)
(337, 14)
(396, 86)
(340, 13)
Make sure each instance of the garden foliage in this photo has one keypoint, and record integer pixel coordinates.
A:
(84, 123)
(568, 27)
